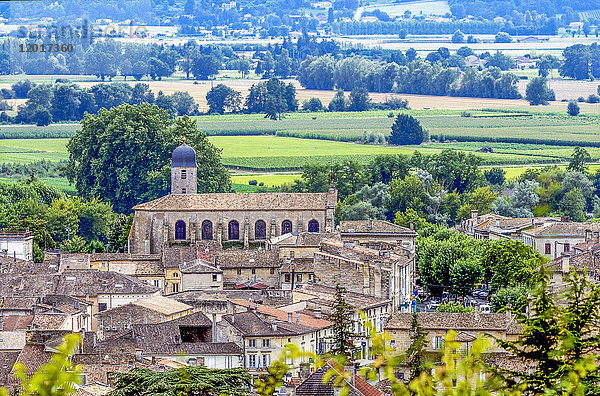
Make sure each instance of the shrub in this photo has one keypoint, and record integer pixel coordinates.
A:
(581, 99)
(593, 99)
(573, 108)
(466, 114)
(252, 182)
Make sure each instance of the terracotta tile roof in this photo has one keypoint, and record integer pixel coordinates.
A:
(325, 295)
(315, 386)
(131, 264)
(365, 388)
(233, 259)
(235, 201)
(73, 283)
(305, 320)
(18, 303)
(163, 305)
(16, 322)
(374, 227)
(175, 256)
(199, 266)
(564, 229)
(251, 325)
(33, 356)
(589, 259)
(7, 361)
(299, 265)
(49, 321)
(94, 390)
(451, 321)
(12, 340)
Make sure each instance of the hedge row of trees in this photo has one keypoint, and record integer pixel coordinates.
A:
(417, 77)
(67, 101)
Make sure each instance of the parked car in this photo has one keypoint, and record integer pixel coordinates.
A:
(485, 308)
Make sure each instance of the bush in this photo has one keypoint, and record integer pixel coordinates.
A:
(261, 184)
(581, 99)
(466, 114)
(573, 108)
(503, 37)
(312, 104)
(593, 99)
(252, 182)
(407, 130)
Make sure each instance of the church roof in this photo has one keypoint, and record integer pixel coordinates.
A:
(237, 201)
(184, 156)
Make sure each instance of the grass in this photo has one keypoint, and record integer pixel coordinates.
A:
(269, 179)
(59, 182)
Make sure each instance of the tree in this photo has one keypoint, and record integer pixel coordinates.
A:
(503, 37)
(221, 98)
(537, 92)
(184, 103)
(579, 160)
(195, 381)
(338, 103)
(509, 297)
(165, 102)
(356, 211)
(501, 61)
(464, 273)
(75, 245)
(495, 176)
(341, 317)
(122, 155)
(406, 130)
(42, 116)
(509, 263)
(21, 88)
(573, 205)
(416, 350)
(410, 218)
(573, 108)
(313, 104)
(204, 66)
(359, 100)
(283, 67)
(576, 63)
(458, 37)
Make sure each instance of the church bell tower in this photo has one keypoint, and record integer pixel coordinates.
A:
(184, 170)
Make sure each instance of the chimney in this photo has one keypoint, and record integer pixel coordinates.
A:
(566, 264)
(370, 224)
(290, 317)
(497, 222)
(298, 317)
(477, 312)
(412, 225)
(317, 313)
(232, 319)
(214, 327)
(274, 326)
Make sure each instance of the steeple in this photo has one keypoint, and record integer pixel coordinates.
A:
(184, 170)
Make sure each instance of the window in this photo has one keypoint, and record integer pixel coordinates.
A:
(266, 343)
(156, 282)
(548, 249)
(437, 342)
(175, 275)
(299, 277)
(215, 277)
(266, 360)
(101, 307)
(207, 230)
(288, 278)
(253, 271)
(251, 361)
(311, 277)
(286, 227)
(180, 230)
(175, 287)
(260, 230)
(393, 344)
(251, 343)
(567, 247)
(313, 226)
(184, 190)
(234, 230)
(239, 271)
(183, 174)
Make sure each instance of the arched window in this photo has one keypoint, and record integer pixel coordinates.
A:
(234, 230)
(183, 174)
(286, 227)
(207, 233)
(313, 226)
(180, 230)
(260, 230)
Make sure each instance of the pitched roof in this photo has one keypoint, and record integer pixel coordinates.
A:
(18, 303)
(12, 340)
(451, 321)
(199, 266)
(236, 201)
(49, 321)
(7, 361)
(234, 259)
(306, 239)
(282, 315)
(326, 295)
(16, 322)
(374, 227)
(589, 259)
(174, 256)
(251, 325)
(163, 305)
(564, 229)
(33, 356)
(314, 385)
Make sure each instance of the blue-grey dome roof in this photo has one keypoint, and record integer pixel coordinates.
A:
(184, 157)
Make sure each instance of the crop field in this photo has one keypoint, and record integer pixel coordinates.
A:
(269, 179)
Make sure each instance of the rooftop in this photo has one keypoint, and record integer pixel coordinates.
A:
(236, 201)
(326, 295)
(248, 259)
(564, 229)
(454, 321)
(251, 325)
(374, 227)
(282, 315)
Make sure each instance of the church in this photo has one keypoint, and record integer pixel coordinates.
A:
(186, 217)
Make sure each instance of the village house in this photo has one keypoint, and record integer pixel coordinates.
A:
(555, 239)
(16, 244)
(380, 273)
(365, 231)
(184, 216)
(200, 275)
(154, 309)
(468, 327)
(317, 385)
(296, 272)
(241, 266)
(299, 245)
(493, 226)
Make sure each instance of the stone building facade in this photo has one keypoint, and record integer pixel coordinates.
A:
(184, 217)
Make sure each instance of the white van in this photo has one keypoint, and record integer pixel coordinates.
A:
(485, 308)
